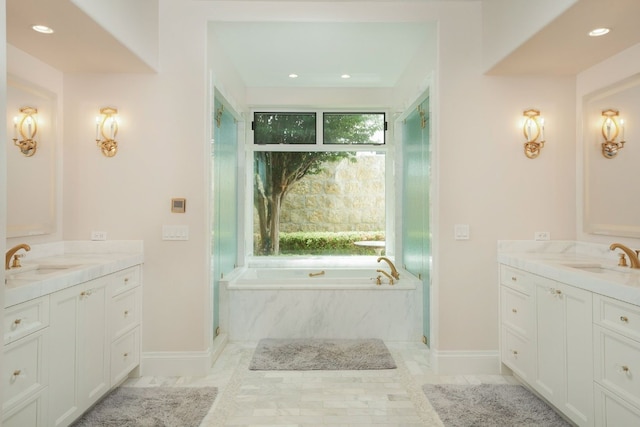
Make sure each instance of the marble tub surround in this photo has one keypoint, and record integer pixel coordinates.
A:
(51, 267)
(321, 307)
(589, 266)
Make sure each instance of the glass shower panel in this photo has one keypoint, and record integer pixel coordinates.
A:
(416, 202)
(224, 198)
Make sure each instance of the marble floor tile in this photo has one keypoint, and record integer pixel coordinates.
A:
(390, 397)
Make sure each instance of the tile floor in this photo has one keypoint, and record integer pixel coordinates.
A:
(391, 397)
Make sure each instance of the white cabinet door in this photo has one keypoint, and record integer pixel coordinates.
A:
(93, 361)
(79, 369)
(564, 366)
(63, 392)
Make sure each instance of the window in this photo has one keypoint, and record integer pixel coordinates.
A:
(323, 199)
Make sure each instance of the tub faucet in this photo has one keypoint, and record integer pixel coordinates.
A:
(394, 272)
(11, 252)
(633, 255)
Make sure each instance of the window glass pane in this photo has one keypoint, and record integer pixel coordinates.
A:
(284, 128)
(353, 128)
(319, 203)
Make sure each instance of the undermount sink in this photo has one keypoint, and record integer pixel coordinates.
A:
(39, 270)
(598, 268)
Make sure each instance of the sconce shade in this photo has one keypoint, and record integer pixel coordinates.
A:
(533, 130)
(610, 131)
(26, 127)
(106, 131)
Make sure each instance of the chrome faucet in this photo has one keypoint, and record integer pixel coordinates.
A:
(11, 252)
(394, 272)
(632, 254)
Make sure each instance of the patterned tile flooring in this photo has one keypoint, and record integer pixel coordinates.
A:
(391, 397)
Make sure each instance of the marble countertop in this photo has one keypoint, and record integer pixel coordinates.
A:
(52, 269)
(591, 268)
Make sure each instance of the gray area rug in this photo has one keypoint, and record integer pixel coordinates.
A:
(320, 354)
(490, 405)
(151, 406)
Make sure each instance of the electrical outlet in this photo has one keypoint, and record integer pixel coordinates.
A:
(542, 235)
(98, 235)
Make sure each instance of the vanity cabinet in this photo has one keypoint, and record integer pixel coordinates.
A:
(564, 363)
(24, 369)
(617, 362)
(79, 365)
(546, 340)
(95, 327)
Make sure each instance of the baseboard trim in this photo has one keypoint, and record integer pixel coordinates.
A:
(170, 364)
(465, 362)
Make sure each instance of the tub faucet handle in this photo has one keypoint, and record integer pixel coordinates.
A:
(394, 272)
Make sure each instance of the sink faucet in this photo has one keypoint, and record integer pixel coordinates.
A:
(633, 255)
(394, 272)
(11, 252)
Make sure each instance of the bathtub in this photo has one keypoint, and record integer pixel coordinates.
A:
(320, 302)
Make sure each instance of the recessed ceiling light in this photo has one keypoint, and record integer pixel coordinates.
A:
(293, 75)
(346, 76)
(42, 29)
(598, 32)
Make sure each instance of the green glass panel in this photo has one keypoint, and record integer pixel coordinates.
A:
(224, 197)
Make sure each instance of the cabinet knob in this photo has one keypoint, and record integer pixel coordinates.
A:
(126, 280)
(85, 293)
(513, 310)
(515, 352)
(126, 313)
(624, 319)
(126, 355)
(514, 278)
(625, 369)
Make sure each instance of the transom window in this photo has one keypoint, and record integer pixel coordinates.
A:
(318, 188)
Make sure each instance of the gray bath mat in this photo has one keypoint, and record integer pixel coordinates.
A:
(151, 406)
(316, 354)
(490, 405)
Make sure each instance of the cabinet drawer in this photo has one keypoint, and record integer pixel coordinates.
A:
(124, 311)
(517, 354)
(125, 280)
(516, 279)
(23, 368)
(125, 356)
(617, 315)
(516, 310)
(611, 411)
(23, 319)
(32, 412)
(617, 364)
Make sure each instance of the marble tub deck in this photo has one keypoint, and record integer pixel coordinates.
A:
(391, 397)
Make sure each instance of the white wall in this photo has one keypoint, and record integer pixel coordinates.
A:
(509, 23)
(609, 72)
(485, 180)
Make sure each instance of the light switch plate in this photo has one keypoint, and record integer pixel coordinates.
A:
(461, 231)
(98, 235)
(175, 232)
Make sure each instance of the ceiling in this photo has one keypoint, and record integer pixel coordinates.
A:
(374, 54)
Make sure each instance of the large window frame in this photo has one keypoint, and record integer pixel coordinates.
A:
(249, 148)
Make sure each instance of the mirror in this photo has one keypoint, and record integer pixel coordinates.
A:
(31, 181)
(611, 205)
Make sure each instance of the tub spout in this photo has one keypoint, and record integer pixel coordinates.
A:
(394, 272)
(11, 252)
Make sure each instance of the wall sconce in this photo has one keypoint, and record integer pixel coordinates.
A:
(27, 127)
(533, 128)
(106, 131)
(610, 130)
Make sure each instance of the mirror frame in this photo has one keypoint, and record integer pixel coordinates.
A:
(47, 103)
(593, 223)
